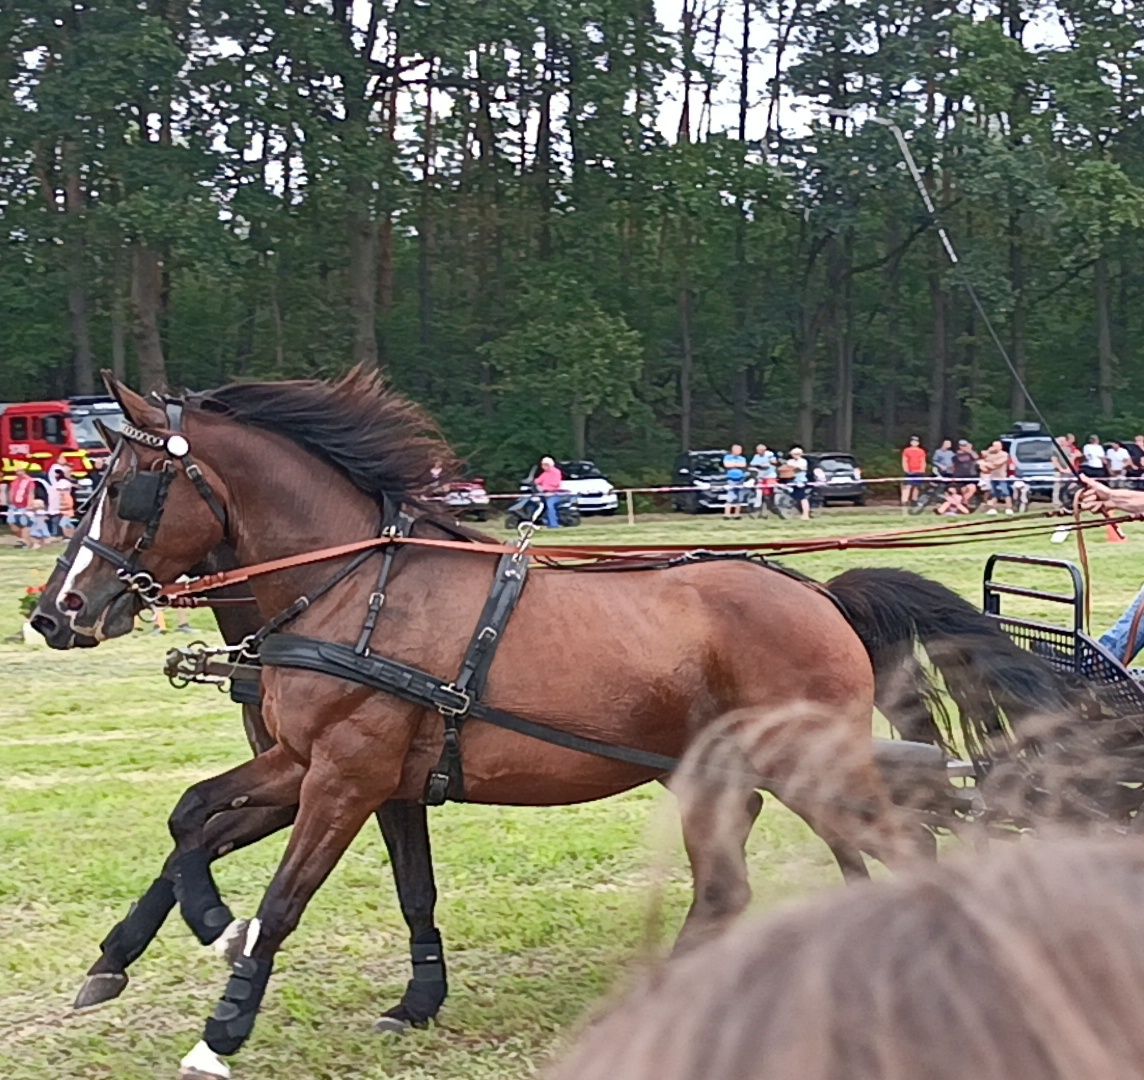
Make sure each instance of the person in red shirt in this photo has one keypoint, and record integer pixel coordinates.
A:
(549, 482)
(914, 468)
(21, 495)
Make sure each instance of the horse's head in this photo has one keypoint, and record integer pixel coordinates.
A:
(157, 514)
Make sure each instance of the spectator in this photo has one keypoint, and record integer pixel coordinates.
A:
(1065, 466)
(38, 532)
(549, 482)
(799, 481)
(735, 468)
(765, 465)
(21, 495)
(943, 459)
(994, 466)
(1094, 459)
(65, 503)
(953, 503)
(1136, 452)
(965, 470)
(914, 468)
(1118, 460)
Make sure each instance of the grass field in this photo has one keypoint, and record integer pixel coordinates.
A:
(543, 910)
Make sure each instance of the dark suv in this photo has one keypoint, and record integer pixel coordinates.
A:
(842, 475)
(702, 472)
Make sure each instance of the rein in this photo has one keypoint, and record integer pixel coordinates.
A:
(587, 556)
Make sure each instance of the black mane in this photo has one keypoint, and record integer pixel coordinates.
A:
(382, 441)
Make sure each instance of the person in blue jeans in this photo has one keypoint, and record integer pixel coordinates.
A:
(735, 468)
(548, 482)
(1098, 498)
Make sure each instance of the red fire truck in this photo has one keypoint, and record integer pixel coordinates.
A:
(41, 434)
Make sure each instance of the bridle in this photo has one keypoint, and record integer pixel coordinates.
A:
(143, 499)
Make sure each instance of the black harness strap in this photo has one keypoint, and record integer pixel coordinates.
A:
(377, 598)
(448, 779)
(420, 688)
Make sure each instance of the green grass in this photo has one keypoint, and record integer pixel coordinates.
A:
(543, 910)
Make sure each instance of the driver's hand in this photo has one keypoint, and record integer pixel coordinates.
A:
(1094, 497)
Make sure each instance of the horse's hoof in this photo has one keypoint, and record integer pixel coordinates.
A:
(392, 1025)
(202, 1063)
(99, 989)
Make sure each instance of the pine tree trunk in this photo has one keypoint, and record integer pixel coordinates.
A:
(146, 303)
(363, 287)
(1017, 325)
(1106, 358)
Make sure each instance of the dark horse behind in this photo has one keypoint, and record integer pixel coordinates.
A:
(271, 471)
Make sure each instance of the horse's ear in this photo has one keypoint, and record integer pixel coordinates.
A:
(136, 408)
(109, 435)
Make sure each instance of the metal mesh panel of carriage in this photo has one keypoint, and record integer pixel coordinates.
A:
(1067, 648)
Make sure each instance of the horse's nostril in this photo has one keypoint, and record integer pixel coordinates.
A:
(44, 625)
(71, 601)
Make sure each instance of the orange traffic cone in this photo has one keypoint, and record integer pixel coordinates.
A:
(1114, 534)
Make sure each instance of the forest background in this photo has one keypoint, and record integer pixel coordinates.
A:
(583, 226)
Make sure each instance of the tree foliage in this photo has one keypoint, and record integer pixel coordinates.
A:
(568, 225)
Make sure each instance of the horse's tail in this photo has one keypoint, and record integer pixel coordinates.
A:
(992, 681)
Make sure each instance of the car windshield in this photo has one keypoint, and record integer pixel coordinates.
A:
(709, 462)
(580, 470)
(1034, 451)
(836, 464)
(87, 436)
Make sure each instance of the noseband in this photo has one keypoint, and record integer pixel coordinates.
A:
(143, 498)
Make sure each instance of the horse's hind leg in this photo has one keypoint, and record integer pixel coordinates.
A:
(716, 823)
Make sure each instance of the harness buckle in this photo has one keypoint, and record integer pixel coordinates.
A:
(450, 700)
(488, 633)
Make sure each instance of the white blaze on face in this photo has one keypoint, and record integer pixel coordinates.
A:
(84, 556)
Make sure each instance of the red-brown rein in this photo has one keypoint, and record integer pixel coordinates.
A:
(184, 595)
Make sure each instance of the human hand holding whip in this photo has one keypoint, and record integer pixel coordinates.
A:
(1098, 498)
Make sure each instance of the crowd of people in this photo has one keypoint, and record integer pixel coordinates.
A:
(754, 483)
(992, 477)
(40, 511)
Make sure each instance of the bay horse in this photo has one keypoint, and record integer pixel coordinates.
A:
(282, 468)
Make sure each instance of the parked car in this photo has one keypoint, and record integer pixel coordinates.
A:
(842, 476)
(1032, 453)
(702, 472)
(593, 490)
(466, 498)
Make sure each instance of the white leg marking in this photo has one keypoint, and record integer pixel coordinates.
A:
(253, 929)
(228, 937)
(204, 1060)
(84, 556)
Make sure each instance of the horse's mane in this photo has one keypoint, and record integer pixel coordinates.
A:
(386, 444)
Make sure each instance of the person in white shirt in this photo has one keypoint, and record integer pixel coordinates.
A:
(1094, 458)
(1119, 461)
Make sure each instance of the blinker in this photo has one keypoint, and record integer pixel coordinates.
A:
(139, 497)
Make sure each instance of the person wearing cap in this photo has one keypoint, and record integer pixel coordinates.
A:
(914, 468)
(964, 469)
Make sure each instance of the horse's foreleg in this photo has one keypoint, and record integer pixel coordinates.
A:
(332, 808)
(716, 823)
(128, 940)
(405, 828)
(271, 781)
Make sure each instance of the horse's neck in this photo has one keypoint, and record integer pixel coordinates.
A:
(282, 502)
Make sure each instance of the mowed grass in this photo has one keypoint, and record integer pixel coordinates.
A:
(543, 911)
